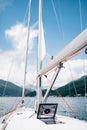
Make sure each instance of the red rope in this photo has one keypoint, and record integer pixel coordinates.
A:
(8, 116)
(70, 108)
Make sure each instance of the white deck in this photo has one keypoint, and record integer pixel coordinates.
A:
(25, 119)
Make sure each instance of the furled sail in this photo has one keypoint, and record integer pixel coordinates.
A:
(43, 47)
(69, 51)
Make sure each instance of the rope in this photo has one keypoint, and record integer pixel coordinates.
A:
(84, 75)
(80, 12)
(64, 99)
(46, 76)
(72, 80)
(8, 116)
(70, 108)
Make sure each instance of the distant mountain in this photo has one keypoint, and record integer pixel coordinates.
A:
(74, 88)
(9, 89)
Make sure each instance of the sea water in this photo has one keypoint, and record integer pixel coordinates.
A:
(68, 106)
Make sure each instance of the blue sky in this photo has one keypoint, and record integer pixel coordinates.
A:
(13, 11)
(58, 30)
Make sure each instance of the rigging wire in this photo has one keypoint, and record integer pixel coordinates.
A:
(55, 14)
(5, 86)
(57, 19)
(67, 104)
(28, 37)
(12, 60)
(72, 79)
(24, 20)
(80, 13)
(9, 72)
(84, 69)
(18, 103)
(69, 107)
(81, 26)
(20, 100)
(14, 103)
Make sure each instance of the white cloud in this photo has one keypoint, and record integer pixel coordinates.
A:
(12, 61)
(72, 70)
(18, 35)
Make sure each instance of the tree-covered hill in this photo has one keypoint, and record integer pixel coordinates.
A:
(74, 88)
(9, 89)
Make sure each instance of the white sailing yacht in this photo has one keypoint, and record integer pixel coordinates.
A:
(44, 115)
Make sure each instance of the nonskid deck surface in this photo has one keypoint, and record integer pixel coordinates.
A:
(25, 119)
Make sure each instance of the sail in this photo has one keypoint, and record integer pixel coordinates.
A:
(41, 40)
(43, 47)
(69, 51)
(41, 54)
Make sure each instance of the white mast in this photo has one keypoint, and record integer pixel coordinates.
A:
(27, 47)
(39, 66)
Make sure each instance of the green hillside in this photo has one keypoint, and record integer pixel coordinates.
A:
(76, 87)
(70, 89)
(9, 89)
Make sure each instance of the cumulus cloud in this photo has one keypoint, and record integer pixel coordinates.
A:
(72, 70)
(12, 61)
(18, 35)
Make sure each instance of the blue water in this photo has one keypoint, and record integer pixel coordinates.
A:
(71, 106)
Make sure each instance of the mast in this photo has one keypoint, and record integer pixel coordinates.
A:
(39, 62)
(27, 48)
